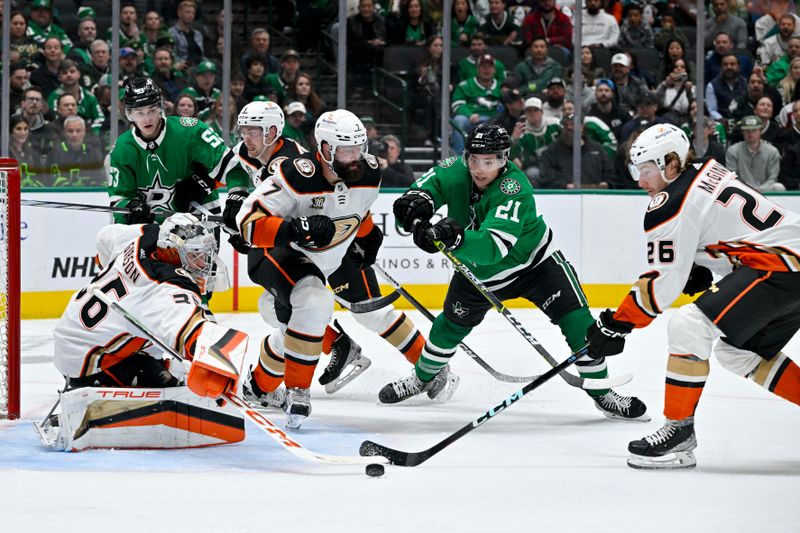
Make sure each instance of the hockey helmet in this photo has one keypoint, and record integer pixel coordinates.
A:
(141, 92)
(194, 243)
(340, 128)
(488, 139)
(654, 144)
(264, 115)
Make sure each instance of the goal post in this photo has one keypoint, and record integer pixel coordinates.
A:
(9, 288)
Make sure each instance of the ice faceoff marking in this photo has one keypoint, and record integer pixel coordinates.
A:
(498, 408)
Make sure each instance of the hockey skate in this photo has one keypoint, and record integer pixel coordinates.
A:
(297, 406)
(668, 448)
(444, 385)
(253, 395)
(346, 363)
(620, 407)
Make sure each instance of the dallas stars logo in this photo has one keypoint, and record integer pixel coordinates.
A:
(157, 195)
(510, 186)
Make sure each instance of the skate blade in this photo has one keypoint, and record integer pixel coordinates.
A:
(671, 461)
(294, 422)
(644, 417)
(449, 389)
(49, 436)
(353, 369)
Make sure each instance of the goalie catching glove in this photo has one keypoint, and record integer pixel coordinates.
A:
(606, 337)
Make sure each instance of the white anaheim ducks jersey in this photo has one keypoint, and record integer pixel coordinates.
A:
(708, 217)
(254, 169)
(299, 188)
(89, 337)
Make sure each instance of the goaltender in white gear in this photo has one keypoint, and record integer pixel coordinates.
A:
(119, 392)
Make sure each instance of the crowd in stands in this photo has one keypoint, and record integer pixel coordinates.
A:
(512, 65)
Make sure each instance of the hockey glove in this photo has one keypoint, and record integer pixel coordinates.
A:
(316, 230)
(449, 232)
(700, 279)
(232, 206)
(606, 337)
(192, 189)
(414, 205)
(239, 244)
(423, 237)
(139, 212)
(364, 250)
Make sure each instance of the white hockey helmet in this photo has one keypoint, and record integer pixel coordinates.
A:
(654, 144)
(340, 128)
(194, 242)
(264, 115)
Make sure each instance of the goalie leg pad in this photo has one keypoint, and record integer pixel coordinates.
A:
(217, 360)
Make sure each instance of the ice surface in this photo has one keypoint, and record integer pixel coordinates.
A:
(551, 462)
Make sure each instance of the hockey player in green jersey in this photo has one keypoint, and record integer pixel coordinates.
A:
(163, 161)
(493, 227)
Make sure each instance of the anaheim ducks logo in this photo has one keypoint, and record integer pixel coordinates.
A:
(274, 164)
(510, 186)
(371, 161)
(304, 166)
(657, 201)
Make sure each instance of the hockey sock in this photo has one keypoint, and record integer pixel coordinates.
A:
(268, 374)
(780, 376)
(444, 337)
(573, 326)
(301, 352)
(328, 338)
(686, 377)
(404, 335)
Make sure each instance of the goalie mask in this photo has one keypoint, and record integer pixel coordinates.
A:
(346, 138)
(195, 245)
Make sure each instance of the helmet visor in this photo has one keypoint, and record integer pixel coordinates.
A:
(348, 154)
(485, 162)
(144, 113)
(645, 169)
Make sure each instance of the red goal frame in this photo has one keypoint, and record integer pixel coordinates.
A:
(11, 203)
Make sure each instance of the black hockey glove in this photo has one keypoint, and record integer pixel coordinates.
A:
(414, 205)
(232, 206)
(238, 243)
(449, 232)
(139, 212)
(423, 237)
(364, 250)
(192, 189)
(700, 279)
(316, 230)
(606, 337)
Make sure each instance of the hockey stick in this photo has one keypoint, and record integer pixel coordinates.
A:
(575, 381)
(373, 304)
(422, 309)
(400, 458)
(108, 209)
(264, 424)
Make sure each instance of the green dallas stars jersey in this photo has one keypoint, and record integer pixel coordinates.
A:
(504, 235)
(184, 147)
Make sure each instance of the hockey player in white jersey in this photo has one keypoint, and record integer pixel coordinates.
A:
(703, 221)
(310, 224)
(259, 154)
(158, 274)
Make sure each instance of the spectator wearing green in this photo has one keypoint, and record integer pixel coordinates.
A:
(88, 106)
(295, 121)
(74, 162)
(464, 23)
(87, 33)
(41, 26)
(475, 100)
(129, 34)
(531, 136)
(536, 71)
(99, 64)
(280, 82)
(203, 90)
(468, 67)
(780, 68)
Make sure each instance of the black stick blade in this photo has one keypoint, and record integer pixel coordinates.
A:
(395, 457)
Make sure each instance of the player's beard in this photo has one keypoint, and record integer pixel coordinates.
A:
(350, 172)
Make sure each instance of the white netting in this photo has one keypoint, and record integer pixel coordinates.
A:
(4, 294)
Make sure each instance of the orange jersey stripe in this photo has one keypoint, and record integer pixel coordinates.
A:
(265, 230)
(366, 226)
(629, 311)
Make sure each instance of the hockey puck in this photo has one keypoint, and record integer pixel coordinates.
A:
(375, 470)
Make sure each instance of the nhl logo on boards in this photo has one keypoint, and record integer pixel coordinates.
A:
(304, 166)
(448, 162)
(510, 186)
(657, 201)
(318, 202)
(188, 121)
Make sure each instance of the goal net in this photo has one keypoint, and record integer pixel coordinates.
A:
(9, 288)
